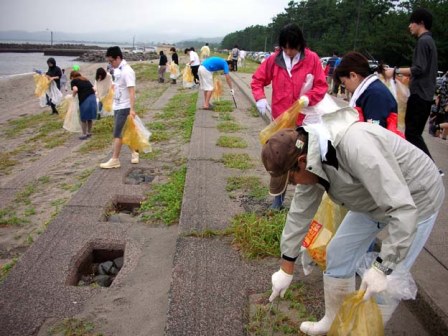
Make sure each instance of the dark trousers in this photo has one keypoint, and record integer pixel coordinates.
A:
(194, 70)
(417, 114)
(235, 64)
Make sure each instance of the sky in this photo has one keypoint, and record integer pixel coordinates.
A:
(145, 19)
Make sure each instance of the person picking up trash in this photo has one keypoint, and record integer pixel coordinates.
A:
(288, 70)
(206, 69)
(384, 181)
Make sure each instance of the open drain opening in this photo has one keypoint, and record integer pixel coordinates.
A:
(122, 212)
(139, 176)
(98, 267)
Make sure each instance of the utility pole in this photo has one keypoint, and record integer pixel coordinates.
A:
(265, 40)
(133, 42)
(358, 2)
(52, 39)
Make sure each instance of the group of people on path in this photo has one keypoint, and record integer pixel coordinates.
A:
(388, 181)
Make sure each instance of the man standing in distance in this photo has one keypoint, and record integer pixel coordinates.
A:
(423, 73)
(124, 100)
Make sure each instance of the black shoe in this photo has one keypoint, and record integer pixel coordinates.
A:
(442, 174)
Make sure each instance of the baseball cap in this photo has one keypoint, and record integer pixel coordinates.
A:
(279, 155)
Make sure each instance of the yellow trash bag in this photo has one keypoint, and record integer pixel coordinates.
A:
(42, 85)
(323, 226)
(136, 135)
(357, 317)
(187, 79)
(286, 120)
(217, 88)
(173, 69)
(108, 100)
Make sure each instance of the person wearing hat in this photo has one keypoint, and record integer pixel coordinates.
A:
(384, 181)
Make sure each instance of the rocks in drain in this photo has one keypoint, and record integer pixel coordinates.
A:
(102, 274)
(138, 176)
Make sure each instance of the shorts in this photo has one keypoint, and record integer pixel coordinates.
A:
(205, 79)
(120, 117)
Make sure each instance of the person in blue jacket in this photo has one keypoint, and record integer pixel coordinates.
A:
(370, 96)
(206, 69)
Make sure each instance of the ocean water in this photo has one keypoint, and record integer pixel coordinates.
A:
(22, 63)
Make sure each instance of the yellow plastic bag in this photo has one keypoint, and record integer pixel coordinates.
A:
(357, 317)
(42, 85)
(173, 69)
(286, 120)
(187, 79)
(217, 88)
(323, 226)
(136, 135)
(108, 100)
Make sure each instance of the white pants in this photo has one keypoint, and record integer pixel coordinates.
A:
(354, 236)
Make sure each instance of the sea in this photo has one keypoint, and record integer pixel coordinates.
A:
(16, 64)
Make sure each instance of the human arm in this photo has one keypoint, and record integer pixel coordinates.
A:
(320, 87)
(229, 81)
(303, 208)
(131, 90)
(74, 90)
(261, 78)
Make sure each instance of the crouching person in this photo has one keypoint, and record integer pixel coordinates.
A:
(385, 182)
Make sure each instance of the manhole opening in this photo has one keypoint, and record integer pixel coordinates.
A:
(139, 176)
(99, 267)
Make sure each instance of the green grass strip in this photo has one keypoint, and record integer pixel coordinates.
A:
(231, 142)
(238, 161)
(164, 202)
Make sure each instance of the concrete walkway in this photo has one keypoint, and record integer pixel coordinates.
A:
(431, 268)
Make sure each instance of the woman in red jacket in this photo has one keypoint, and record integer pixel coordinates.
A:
(287, 70)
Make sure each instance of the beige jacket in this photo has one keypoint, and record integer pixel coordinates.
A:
(377, 173)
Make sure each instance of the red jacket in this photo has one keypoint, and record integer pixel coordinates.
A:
(286, 89)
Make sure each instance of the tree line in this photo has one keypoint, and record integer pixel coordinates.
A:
(376, 28)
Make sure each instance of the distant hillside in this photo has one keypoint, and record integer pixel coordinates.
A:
(118, 37)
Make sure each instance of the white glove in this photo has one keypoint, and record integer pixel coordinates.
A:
(232, 92)
(373, 282)
(280, 283)
(262, 106)
(304, 101)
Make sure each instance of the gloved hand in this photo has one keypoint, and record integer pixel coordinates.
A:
(373, 282)
(232, 92)
(280, 283)
(262, 106)
(304, 101)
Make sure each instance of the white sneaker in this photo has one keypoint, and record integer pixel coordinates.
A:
(135, 157)
(112, 163)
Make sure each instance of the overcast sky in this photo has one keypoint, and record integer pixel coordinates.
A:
(176, 18)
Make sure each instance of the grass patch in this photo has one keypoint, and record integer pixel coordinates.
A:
(231, 142)
(6, 162)
(229, 127)
(250, 184)
(102, 136)
(253, 112)
(285, 315)
(73, 327)
(145, 71)
(223, 106)
(165, 200)
(258, 236)
(6, 268)
(151, 155)
(156, 126)
(8, 217)
(178, 116)
(17, 126)
(158, 136)
(250, 67)
(238, 161)
(226, 116)
(208, 233)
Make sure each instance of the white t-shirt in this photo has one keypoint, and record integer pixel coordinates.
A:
(124, 77)
(194, 58)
